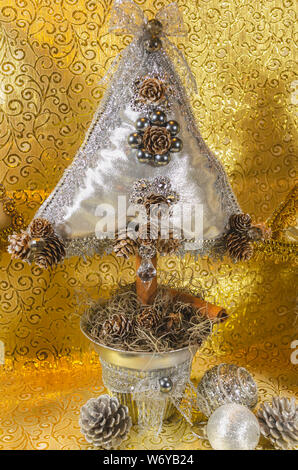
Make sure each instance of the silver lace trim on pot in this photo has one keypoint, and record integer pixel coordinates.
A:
(144, 388)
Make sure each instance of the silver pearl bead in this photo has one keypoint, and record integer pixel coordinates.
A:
(158, 118)
(36, 244)
(135, 140)
(165, 384)
(173, 127)
(176, 145)
(152, 44)
(142, 123)
(143, 156)
(154, 27)
(162, 160)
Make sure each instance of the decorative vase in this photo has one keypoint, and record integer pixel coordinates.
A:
(151, 385)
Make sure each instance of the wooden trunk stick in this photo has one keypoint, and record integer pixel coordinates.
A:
(146, 291)
(211, 311)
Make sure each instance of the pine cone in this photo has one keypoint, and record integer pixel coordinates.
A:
(157, 140)
(19, 245)
(148, 318)
(168, 246)
(239, 247)
(154, 199)
(151, 90)
(104, 422)
(174, 320)
(49, 251)
(40, 228)
(240, 222)
(125, 247)
(118, 326)
(279, 422)
(148, 234)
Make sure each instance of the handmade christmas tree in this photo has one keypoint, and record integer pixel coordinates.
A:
(143, 146)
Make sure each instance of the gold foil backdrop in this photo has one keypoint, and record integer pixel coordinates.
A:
(52, 56)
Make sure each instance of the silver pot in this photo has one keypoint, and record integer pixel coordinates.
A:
(123, 371)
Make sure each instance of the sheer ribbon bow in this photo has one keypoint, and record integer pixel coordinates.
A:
(128, 18)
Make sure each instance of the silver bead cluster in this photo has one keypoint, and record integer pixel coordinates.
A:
(156, 118)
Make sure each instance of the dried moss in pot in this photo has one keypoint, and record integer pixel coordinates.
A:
(168, 324)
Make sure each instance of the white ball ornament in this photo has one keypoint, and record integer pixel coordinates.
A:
(233, 427)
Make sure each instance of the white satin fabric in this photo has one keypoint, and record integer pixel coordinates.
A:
(118, 168)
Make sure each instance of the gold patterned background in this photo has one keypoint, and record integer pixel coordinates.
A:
(52, 56)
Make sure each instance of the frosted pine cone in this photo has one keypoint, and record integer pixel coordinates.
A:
(118, 326)
(104, 422)
(239, 247)
(157, 140)
(148, 319)
(19, 245)
(240, 222)
(125, 247)
(48, 251)
(279, 422)
(40, 228)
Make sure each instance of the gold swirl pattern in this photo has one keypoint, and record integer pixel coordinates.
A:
(53, 54)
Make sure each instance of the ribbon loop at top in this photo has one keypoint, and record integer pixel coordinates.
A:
(128, 18)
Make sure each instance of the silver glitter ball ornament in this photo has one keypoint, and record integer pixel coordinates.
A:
(143, 156)
(162, 160)
(233, 427)
(226, 383)
(173, 127)
(176, 145)
(135, 140)
(142, 123)
(165, 384)
(158, 118)
(152, 44)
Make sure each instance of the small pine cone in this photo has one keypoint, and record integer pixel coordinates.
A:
(157, 140)
(151, 90)
(49, 251)
(148, 319)
(279, 422)
(240, 222)
(239, 247)
(125, 247)
(104, 422)
(40, 228)
(174, 321)
(19, 245)
(118, 326)
(168, 246)
(154, 199)
(148, 234)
